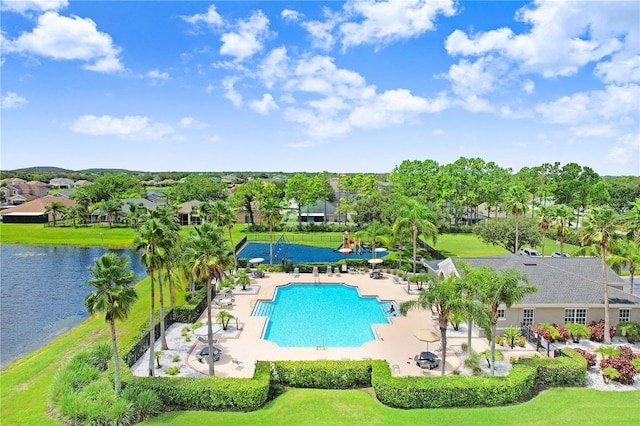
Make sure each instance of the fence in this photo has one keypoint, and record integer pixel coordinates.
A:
(293, 238)
(541, 344)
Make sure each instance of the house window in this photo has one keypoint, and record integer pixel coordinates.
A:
(500, 314)
(625, 315)
(527, 318)
(578, 316)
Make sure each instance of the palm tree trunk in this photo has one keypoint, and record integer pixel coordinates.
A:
(163, 337)
(494, 330)
(172, 299)
(631, 273)
(270, 244)
(607, 336)
(116, 358)
(443, 337)
(469, 325)
(209, 327)
(152, 331)
(517, 232)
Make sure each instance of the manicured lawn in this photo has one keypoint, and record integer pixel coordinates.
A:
(465, 245)
(355, 407)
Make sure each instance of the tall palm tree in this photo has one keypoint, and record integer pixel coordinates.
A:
(444, 297)
(496, 289)
(113, 295)
(55, 208)
(205, 252)
(475, 312)
(418, 220)
(544, 222)
(599, 227)
(626, 253)
(632, 220)
(516, 204)
(149, 240)
(562, 215)
(270, 210)
(224, 215)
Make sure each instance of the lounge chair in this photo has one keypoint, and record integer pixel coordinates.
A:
(315, 271)
(296, 272)
(396, 280)
(427, 360)
(237, 362)
(206, 340)
(329, 270)
(336, 271)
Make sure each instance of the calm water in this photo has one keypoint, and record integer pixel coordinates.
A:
(306, 315)
(42, 291)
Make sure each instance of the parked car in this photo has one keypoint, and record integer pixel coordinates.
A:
(529, 252)
(203, 355)
(559, 254)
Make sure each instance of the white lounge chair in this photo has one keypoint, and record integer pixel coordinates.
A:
(329, 270)
(336, 271)
(315, 271)
(296, 272)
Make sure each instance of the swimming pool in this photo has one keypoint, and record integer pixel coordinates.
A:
(298, 253)
(330, 315)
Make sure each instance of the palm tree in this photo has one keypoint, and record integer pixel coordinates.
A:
(206, 257)
(244, 280)
(562, 215)
(469, 286)
(444, 297)
(546, 213)
(599, 227)
(417, 219)
(149, 240)
(55, 208)
(498, 289)
(111, 208)
(270, 210)
(630, 252)
(114, 295)
(632, 220)
(223, 215)
(516, 204)
(376, 232)
(223, 318)
(171, 245)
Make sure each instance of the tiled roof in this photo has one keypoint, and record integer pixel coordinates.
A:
(37, 206)
(563, 281)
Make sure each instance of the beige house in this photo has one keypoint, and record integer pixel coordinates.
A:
(570, 290)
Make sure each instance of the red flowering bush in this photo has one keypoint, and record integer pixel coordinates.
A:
(622, 363)
(597, 330)
(564, 334)
(543, 332)
(591, 358)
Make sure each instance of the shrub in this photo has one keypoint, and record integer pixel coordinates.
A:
(472, 362)
(101, 355)
(464, 347)
(176, 358)
(630, 330)
(588, 356)
(597, 330)
(522, 341)
(623, 364)
(511, 335)
(564, 371)
(563, 334)
(144, 404)
(323, 374)
(173, 370)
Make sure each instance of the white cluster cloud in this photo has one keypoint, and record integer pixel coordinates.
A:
(191, 123)
(291, 15)
(626, 150)
(265, 105)
(212, 17)
(387, 21)
(230, 91)
(158, 75)
(247, 40)
(68, 38)
(13, 100)
(134, 127)
(25, 6)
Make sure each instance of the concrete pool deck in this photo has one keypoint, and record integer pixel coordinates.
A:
(395, 342)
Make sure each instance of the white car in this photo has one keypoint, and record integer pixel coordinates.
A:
(529, 252)
(558, 254)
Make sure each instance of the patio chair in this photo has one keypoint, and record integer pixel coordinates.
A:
(296, 272)
(315, 271)
(396, 280)
(329, 270)
(336, 271)
(237, 362)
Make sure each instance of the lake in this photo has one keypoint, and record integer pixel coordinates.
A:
(42, 291)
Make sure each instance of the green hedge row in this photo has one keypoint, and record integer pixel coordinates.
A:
(207, 393)
(569, 370)
(452, 391)
(322, 374)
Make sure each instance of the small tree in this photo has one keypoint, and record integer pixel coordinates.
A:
(244, 280)
(609, 373)
(577, 331)
(223, 318)
(511, 334)
(608, 351)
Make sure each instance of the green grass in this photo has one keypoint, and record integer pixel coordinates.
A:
(353, 407)
(465, 245)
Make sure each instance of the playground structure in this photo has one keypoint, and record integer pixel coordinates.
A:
(349, 245)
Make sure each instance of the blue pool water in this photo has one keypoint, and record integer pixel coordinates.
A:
(307, 315)
(299, 253)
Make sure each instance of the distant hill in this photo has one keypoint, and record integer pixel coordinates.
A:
(39, 169)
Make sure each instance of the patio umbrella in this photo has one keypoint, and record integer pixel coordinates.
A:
(203, 330)
(427, 335)
(374, 262)
(256, 260)
(345, 250)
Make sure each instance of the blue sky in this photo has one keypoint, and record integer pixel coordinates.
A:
(356, 86)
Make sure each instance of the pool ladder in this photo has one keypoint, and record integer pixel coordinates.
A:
(320, 347)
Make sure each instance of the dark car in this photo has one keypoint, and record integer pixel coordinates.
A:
(558, 254)
(203, 355)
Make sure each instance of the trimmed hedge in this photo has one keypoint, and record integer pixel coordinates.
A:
(565, 371)
(323, 374)
(208, 393)
(452, 391)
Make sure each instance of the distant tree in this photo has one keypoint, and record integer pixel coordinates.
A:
(516, 205)
(562, 215)
(300, 188)
(244, 196)
(114, 185)
(198, 187)
(501, 232)
(224, 216)
(111, 209)
(631, 221)
(113, 295)
(544, 222)
(271, 212)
